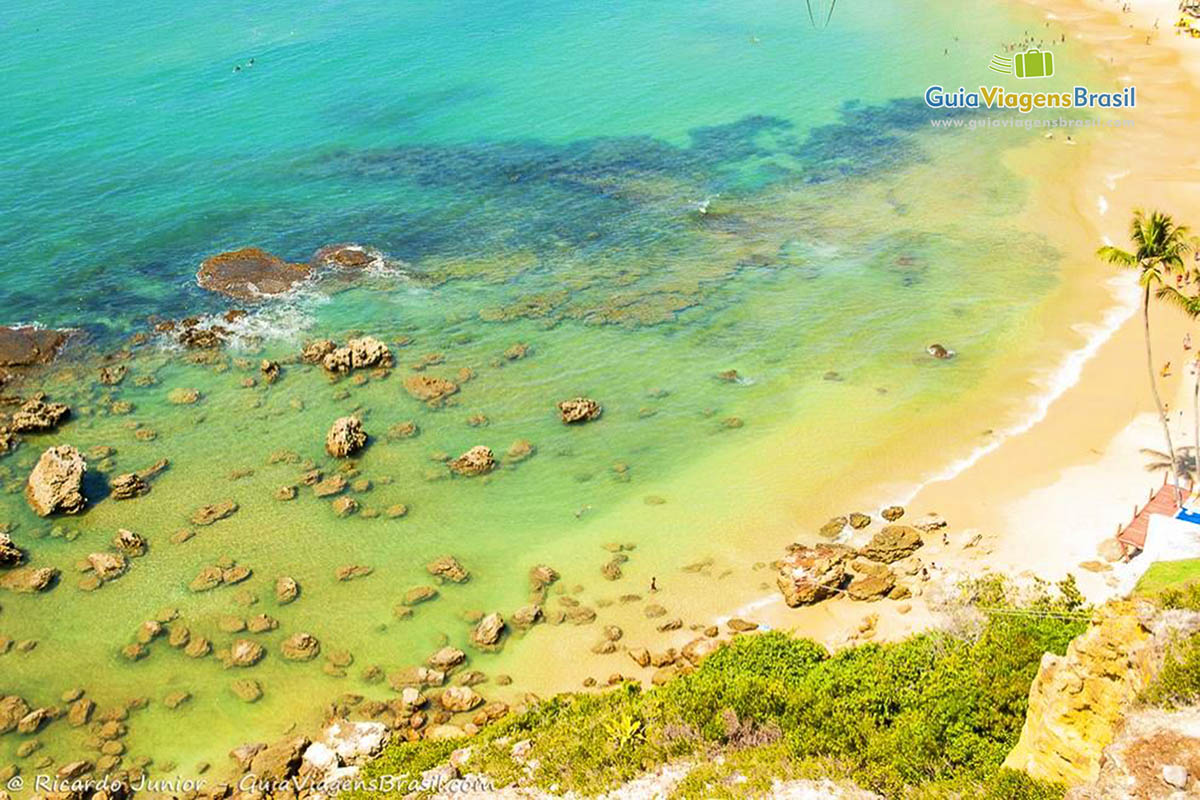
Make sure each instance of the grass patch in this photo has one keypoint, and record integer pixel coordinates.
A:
(1168, 575)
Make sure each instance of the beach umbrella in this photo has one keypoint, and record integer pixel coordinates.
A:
(820, 12)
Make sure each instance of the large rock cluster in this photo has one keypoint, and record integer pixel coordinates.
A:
(346, 437)
(250, 274)
(810, 574)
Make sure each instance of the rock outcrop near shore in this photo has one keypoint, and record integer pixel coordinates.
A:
(1078, 700)
(56, 483)
(26, 347)
(250, 274)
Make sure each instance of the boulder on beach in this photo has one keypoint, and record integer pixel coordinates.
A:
(56, 483)
(458, 699)
(579, 409)
(447, 567)
(250, 274)
(892, 543)
(346, 437)
(871, 586)
(810, 574)
(38, 416)
(479, 460)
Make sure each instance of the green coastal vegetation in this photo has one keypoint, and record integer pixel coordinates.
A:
(930, 716)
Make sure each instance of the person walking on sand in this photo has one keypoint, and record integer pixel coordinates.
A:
(1187, 341)
(1166, 370)
(653, 584)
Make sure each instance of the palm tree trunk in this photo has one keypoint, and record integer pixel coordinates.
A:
(1196, 424)
(1162, 412)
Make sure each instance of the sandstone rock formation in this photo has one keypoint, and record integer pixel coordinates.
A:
(447, 567)
(345, 438)
(1156, 755)
(10, 554)
(37, 416)
(459, 698)
(27, 580)
(892, 543)
(579, 409)
(300, 647)
(489, 630)
(250, 274)
(479, 460)
(810, 574)
(361, 353)
(56, 483)
(207, 515)
(25, 346)
(1077, 700)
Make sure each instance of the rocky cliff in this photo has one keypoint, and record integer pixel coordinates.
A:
(1078, 701)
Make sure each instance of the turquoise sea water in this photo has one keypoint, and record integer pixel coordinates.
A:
(648, 193)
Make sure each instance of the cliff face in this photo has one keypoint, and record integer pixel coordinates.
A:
(1077, 700)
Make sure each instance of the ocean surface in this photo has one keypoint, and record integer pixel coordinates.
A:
(646, 193)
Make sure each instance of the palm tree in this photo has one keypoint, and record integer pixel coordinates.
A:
(1185, 461)
(1160, 247)
(1190, 305)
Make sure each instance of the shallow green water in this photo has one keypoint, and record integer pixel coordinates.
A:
(557, 154)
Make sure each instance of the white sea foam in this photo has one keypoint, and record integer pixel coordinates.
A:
(1102, 204)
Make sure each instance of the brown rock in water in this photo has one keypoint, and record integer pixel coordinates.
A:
(739, 625)
(207, 579)
(361, 353)
(244, 653)
(348, 572)
(403, 430)
(10, 554)
(345, 438)
(80, 712)
(419, 594)
(892, 513)
(314, 352)
(489, 630)
(128, 486)
(285, 493)
(892, 543)
(345, 256)
(208, 515)
(247, 690)
(527, 616)
(107, 565)
(579, 409)
(519, 451)
(26, 347)
(27, 580)
(859, 521)
(183, 396)
(270, 370)
(429, 388)
(810, 574)
(286, 590)
(198, 647)
(447, 567)
(458, 699)
(479, 460)
(12, 710)
(250, 274)
(446, 659)
(345, 506)
(542, 576)
(113, 374)
(334, 484)
(833, 528)
(56, 483)
(300, 647)
(37, 416)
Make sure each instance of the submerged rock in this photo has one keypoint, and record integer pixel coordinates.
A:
(10, 554)
(128, 486)
(56, 483)
(250, 274)
(207, 515)
(458, 699)
(479, 460)
(314, 352)
(28, 580)
(244, 653)
(361, 353)
(286, 589)
(300, 647)
(579, 409)
(107, 565)
(431, 389)
(345, 438)
(447, 567)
